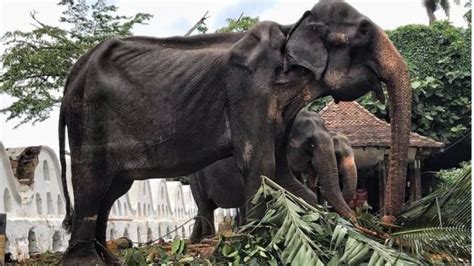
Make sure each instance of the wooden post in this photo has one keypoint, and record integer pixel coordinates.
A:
(411, 181)
(201, 21)
(382, 178)
(417, 179)
(3, 240)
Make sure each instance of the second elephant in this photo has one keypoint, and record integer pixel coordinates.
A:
(308, 143)
(312, 152)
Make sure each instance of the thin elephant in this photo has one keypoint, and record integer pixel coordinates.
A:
(221, 184)
(141, 107)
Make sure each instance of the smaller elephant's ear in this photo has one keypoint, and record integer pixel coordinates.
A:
(264, 42)
(305, 46)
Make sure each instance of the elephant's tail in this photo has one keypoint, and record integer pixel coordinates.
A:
(67, 222)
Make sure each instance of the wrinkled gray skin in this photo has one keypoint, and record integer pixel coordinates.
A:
(310, 148)
(140, 107)
(221, 184)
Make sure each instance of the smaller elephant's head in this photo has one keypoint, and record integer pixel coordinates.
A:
(312, 152)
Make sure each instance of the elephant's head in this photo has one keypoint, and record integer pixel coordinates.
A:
(349, 55)
(311, 151)
(346, 165)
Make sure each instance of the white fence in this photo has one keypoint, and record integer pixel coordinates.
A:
(151, 209)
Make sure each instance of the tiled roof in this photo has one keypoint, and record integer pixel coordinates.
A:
(363, 128)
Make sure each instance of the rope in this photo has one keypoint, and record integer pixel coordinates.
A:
(457, 141)
(174, 230)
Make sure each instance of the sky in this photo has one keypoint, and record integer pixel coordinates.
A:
(176, 17)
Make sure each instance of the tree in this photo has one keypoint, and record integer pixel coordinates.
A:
(243, 23)
(36, 63)
(432, 5)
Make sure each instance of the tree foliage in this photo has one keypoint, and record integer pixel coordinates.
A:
(439, 59)
(447, 177)
(243, 23)
(36, 63)
(432, 5)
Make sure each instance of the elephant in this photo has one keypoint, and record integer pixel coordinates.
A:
(221, 183)
(142, 107)
(309, 141)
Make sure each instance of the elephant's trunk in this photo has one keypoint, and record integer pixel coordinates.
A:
(325, 165)
(394, 73)
(297, 188)
(348, 175)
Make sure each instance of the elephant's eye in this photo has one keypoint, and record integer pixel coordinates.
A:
(318, 27)
(364, 26)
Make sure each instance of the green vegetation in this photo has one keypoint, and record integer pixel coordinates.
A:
(438, 226)
(36, 63)
(449, 176)
(439, 59)
(293, 232)
(243, 23)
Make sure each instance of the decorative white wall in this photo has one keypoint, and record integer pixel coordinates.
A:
(151, 209)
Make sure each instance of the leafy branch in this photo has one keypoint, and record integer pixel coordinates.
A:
(36, 63)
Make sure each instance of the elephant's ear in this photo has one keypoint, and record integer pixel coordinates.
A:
(261, 44)
(305, 46)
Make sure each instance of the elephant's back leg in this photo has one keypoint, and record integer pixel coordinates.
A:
(204, 223)
(90, 185)
(204, 220)
(206, 215)
(116, 190)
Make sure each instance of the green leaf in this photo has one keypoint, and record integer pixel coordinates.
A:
(175, 246)
(415, 84)
(226, 249)
(186, 259)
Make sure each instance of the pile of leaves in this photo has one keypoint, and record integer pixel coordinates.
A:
(290, 232)
(294, 232)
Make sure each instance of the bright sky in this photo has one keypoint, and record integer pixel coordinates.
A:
(175, 17)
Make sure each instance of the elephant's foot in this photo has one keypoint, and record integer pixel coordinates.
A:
(109, 257)
(195, 239)
(83, 253)
(196, 235)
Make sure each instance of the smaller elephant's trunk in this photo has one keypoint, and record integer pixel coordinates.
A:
(348, 175)
(325, 165)
(291, 184)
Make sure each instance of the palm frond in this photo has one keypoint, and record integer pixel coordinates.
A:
(448, 206)
(452, 241)
(307, 235)
(439, 224)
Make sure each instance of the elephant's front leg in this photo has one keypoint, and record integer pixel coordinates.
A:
(254, 145)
